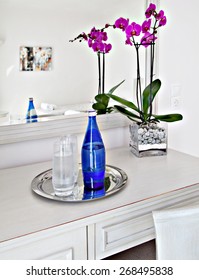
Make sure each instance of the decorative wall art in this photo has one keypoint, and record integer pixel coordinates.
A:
(35, 58)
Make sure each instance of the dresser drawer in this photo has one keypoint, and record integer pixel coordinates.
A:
(120, 233)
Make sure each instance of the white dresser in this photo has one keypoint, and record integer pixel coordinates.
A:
(32, 227)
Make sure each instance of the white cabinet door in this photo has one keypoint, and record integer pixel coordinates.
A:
(59, 243)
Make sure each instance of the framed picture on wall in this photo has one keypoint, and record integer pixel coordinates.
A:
(35, 58)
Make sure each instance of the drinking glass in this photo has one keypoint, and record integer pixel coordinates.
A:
(65, 165)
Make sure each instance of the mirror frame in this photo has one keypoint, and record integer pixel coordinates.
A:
(72, 124)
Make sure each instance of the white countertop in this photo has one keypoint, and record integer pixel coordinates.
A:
(24, 212)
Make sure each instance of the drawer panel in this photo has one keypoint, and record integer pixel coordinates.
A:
(118, 234)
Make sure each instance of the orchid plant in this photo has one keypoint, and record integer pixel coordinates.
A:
(137, 36)
(146, 35)
(97, 41)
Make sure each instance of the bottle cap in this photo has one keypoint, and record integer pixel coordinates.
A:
(92, 113)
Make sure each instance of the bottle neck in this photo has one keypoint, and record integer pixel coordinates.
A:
(92, 122)
(92, 113)
(92, 133)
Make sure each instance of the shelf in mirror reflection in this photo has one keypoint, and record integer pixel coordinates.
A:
(4, 117)
(45, 115)
(55, 126)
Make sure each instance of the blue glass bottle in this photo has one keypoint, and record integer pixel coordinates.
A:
(93, 157)
(31, 115)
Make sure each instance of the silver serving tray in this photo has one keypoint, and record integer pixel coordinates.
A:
(115, 180)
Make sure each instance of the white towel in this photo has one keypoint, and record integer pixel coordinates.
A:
(71, 112)
(48, 107)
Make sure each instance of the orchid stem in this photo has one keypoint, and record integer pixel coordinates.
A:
(99, 73)
(103, 74)
(151, 78)
(138, 85)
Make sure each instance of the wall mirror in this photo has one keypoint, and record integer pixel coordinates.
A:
(73, 78)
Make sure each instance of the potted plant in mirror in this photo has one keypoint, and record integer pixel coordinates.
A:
(148, 134)
(96, 40)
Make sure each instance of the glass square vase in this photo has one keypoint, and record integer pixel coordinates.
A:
(148, 139)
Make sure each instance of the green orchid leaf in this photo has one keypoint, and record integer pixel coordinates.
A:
(101, 112)
(127, 113)
(110, 109)
(99, 106)
(115, 87)
(169, 117)
(124, 102)
(102, 98)
(149, 94)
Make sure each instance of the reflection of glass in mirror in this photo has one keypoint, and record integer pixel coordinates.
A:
(35, 58)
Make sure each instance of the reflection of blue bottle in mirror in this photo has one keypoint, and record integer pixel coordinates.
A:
(31, 115)
(93, 156)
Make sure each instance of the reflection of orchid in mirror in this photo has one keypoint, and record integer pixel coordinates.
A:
(97, 41)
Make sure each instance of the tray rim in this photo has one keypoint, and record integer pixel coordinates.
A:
(38, 191)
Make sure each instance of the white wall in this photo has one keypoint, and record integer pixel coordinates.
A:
(178, 65)
(74, 75)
